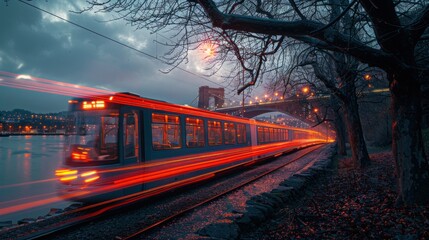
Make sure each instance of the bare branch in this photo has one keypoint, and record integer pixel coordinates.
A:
(295, 7)
(420, 24)
(335, 20)
(300, 30)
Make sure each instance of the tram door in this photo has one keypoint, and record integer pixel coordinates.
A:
(131, 143)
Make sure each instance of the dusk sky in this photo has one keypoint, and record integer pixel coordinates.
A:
(37, 44)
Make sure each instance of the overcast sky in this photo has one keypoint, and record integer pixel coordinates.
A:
(35, 43)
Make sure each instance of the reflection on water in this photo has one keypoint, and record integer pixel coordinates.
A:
(25, 164)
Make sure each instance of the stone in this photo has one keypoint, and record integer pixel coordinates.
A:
(277, 200)
(294, 182)
(73, 206)
(266, 209)
(26, 221)
(222, 229)
(244, 222)
(256, 215)
(54, 211)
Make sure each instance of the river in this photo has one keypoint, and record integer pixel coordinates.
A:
(27, 175)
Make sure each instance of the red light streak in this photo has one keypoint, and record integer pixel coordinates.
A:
(37, 203)
(168, 171)
(171, 168)
(91, 179)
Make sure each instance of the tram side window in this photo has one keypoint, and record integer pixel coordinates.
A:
(276, 134)
(131, 145)
(214, 132)
(282, 135)
(272, 135)
(229, 132)
(165, 131)
(260, 134)
(195, 132)
(267, 134)
(241, 133)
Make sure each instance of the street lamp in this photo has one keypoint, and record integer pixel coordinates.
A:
(367, 77)
(305, 89)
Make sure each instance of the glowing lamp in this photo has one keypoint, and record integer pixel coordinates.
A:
(305, 90)
(367, 77)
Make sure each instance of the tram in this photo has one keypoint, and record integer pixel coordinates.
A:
(125, 144)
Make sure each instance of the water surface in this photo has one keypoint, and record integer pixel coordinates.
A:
(27, 173)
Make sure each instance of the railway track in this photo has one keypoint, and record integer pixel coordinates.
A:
(191, 208)
(97, 213)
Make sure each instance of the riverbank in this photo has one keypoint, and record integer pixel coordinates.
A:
(30, 134)
(349, 204)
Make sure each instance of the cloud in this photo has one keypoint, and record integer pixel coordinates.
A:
(41, 45)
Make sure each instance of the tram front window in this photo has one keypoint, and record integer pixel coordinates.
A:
(93, 137)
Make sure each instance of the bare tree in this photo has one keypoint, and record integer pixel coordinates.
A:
(389, 43)
(341, 83)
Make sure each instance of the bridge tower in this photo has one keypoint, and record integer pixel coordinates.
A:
(205, 93)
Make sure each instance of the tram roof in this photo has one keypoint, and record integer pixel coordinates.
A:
(131, 99)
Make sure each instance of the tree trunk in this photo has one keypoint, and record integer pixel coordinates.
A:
(411, 164)
(340, 130)
(350, 108)
(360, 155)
